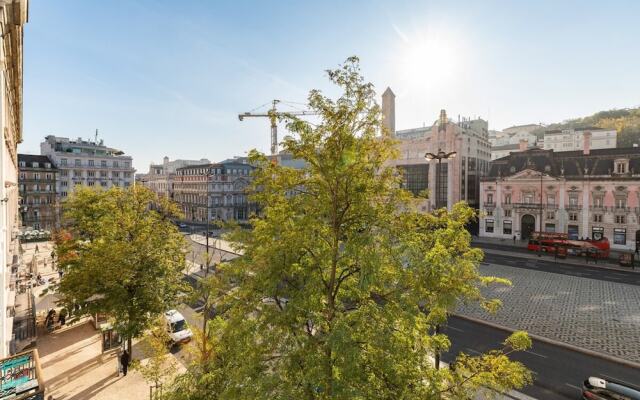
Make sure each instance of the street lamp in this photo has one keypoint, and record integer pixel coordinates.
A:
(440, 155)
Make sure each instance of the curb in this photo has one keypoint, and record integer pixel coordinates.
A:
(529, 257)
(553, 342)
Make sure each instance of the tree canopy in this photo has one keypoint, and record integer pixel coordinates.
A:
(121, 255)
(343, 280)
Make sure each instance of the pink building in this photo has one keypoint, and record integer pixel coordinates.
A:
(586, 194)
(450, 180)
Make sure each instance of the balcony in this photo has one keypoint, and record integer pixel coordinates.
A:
(573, 207)
(529, 206)
(489, 205)
(621, 210)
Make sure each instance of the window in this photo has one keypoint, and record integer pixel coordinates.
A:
(619, 236)
(573, 216)
(507, 213)
(488, 226)
(620, 219)
(551, 199)
(621, 202)
(49, 177)
(597, 218)
(22, 164)
(47, 165)
(597, 201)
(77, 173)
(91, 183)
(103, 184)
(620, 168)
(490, 198)
(507, 199)
(127, 164)
(78, 163)
(506, 227)
(63, 194)
(127, 174)
(551, 215)
(115, 174)
(91, 173)
(64, 173)
(63, 161)
(127, 184)
(115, 164)
(23, 176)
(91, 163)
(549, 227)
(528, 198)
(573, 199)
(490, 213)
(103, 163)
(36, 176)
(64, 183)
(103, 174)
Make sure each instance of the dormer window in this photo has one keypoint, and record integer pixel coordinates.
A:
(621, 166)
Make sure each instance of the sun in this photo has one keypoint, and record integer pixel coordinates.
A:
(428, 60)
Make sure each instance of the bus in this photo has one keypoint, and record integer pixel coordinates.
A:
(550, 242)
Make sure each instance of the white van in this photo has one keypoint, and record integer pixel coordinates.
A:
(177, 327)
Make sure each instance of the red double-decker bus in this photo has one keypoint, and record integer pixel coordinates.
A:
(551, 242)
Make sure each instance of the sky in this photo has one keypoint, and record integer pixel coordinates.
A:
(169, 78)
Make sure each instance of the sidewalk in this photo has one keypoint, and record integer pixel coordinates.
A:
(520, 250)
(74, 368)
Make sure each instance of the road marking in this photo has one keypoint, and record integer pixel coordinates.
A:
(573, 386)
(455, 329)
(473, 351)
(616, 379)
(535, 354)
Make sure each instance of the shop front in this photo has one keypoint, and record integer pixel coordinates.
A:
(21, 377)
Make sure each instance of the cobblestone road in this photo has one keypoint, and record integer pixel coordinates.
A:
(592, 314)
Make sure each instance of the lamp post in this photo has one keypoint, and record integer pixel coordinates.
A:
(440, 155)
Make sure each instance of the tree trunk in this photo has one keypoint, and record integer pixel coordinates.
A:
(129, 347)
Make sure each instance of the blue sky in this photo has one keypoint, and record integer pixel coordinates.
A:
(169, 77)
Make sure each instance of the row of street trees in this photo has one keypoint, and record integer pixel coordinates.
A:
(340, 287)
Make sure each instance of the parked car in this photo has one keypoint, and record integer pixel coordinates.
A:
(183, 226)
(596, 388)
(177, 327)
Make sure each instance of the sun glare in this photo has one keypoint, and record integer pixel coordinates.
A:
(428, 60)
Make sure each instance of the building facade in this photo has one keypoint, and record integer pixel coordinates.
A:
(573, 139)
(450, 180)
(90, 163)
(214, 191)
(13, 16)
(585, 194)
(38, 199)
(160, 177)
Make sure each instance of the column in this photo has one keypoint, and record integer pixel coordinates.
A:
(585, 210)
(562, 214)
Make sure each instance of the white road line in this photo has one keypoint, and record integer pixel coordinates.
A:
(535, 354)
(473, 351)
(573, 386)
(619, 380)
(454, 329)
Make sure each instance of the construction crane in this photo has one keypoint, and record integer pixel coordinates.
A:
(273, 115)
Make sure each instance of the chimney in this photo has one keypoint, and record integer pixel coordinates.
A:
(586, 136)
(524, 143)
(389, 111)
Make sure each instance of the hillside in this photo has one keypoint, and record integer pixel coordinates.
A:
(625, 121)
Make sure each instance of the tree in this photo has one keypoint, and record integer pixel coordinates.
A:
(343, 281)
(122, 256)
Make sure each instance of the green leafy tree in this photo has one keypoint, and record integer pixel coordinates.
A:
(343, 281)
(121, 256)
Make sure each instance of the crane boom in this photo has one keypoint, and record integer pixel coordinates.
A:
(273, 115)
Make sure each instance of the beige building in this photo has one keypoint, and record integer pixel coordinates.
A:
(86, 162)
(160, 177)
(573, 139)
(13, 16)
(214, 190)
(38, 199)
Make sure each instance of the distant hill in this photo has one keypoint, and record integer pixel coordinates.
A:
(625, 121)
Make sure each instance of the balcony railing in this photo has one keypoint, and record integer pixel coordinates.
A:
(535, 206)
(573, 207)
(489, 205)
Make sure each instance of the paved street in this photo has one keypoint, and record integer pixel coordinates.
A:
(558, 372)
(558, 267)
(599, 315)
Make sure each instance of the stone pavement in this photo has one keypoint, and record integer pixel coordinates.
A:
(596, 315)
(74, 368)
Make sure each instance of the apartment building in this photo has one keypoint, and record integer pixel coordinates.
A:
(214, 191)
(573, 139)
(160, 177)
(38, 199)
(86, 162)
(13, 16)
